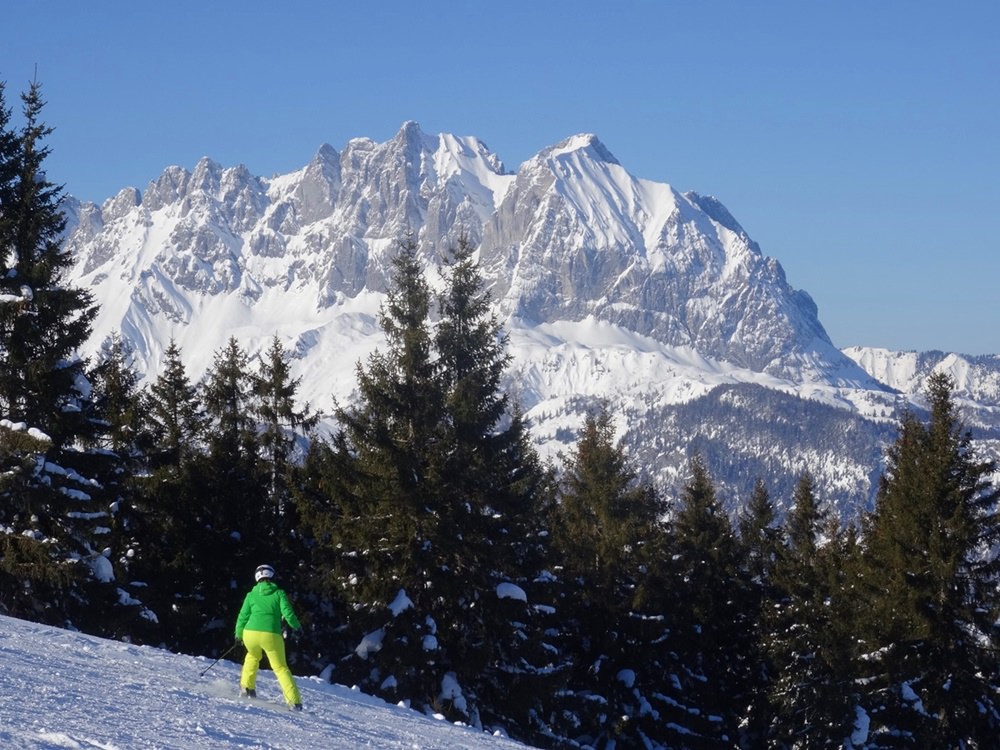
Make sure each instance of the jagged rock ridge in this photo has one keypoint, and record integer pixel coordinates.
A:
(613, 287)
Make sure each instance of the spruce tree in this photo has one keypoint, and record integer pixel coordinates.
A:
(388, 463)
(243, 530)
(759, 538)
(58, 511)
(609, 537)
(33, 584)
(434, 478)
(234, 446)
(116, 459)
(808, 630)
(9, 147)
(329, 536)
(173, 515)
(393, 433)
(703, 540)
(174, 414)
(43, 323)
(759, 551)
(284, 431)
(490, 483)
(604, 517)
(281, 422)
(930, 585)
(713, 636)
(805, 521)
(117, 399)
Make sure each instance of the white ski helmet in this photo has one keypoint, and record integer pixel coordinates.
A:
(262, 572)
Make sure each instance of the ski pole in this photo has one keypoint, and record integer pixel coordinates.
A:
(228, 652)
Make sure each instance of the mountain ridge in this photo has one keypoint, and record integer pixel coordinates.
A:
(598, 275)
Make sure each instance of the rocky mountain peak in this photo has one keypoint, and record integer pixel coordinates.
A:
(585, 145)
(644, 295)
(571, 235)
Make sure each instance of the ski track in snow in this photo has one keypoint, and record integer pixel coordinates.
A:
(63, 689)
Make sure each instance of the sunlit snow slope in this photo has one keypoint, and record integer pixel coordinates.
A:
(61, 689)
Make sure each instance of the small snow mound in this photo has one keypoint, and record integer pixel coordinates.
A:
(627, 677)
(103, 570)
(451, 691)
(400, 604)
(511, 591)
(370, 643)
(862, 724)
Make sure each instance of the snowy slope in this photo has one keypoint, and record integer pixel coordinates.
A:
(976, 378)
(62, 689)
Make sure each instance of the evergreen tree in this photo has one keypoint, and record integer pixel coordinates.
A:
(174, 517)
(608, 535)
(241, 526)
(43, 323)
(808, 642)
(280, 421)
(239, 488)
(175, 416)
(284, 431)
(329, 537)
(930, 585)
(435, 479)
(9, 148)
(33, 584)
(703, 539)
(116, 457)
(490, 484)
(117, 401)
(713, 637)
(392, 434)
(806, 520)
(759, 552)
(386, 491)
(56, 509)
(760, 538)
(604, 517)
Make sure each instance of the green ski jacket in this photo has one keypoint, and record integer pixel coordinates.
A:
(265, 605)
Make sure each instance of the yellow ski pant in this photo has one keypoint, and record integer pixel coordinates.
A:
(273, 645)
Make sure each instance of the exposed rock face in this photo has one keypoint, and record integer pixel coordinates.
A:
(572, 245)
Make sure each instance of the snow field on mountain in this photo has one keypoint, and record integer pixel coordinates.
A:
(456, 156)
(216, 252)
(571, 237)
(61, 689)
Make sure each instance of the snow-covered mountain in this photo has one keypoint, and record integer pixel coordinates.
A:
(612, 287)
(977, 379)
(64, 689)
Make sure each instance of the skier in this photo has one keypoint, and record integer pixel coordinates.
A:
(258, 626)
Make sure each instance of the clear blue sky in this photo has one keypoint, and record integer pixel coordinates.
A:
(857, 142)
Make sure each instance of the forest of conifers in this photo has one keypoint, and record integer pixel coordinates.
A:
(435, 560)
